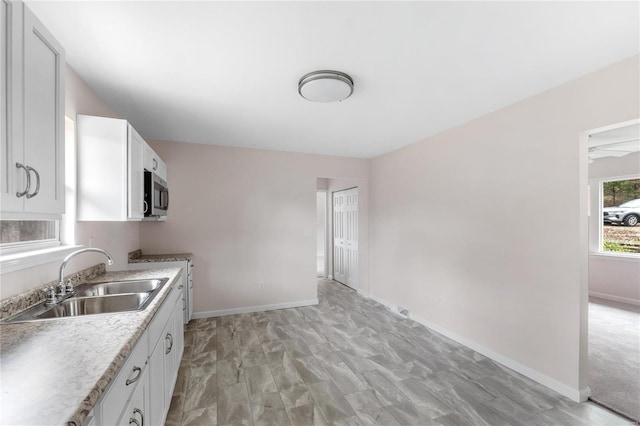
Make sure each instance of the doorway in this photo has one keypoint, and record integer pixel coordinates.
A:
(613, 264)
(345, 236)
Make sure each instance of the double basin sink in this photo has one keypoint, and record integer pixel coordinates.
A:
(97, 298)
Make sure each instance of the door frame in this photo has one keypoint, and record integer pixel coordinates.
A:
(583, 291)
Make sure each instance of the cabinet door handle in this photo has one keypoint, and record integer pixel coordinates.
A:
(129, 381)
(26, 190)
(155, 164)
(170, 338)
(133, 420)
(31, 169)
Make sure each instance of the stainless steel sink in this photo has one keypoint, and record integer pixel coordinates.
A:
(118, 287)
(97, 298)
(96, 305)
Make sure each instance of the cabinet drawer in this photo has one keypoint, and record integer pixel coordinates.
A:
(120, 390)
(161, 317)
(137, 410)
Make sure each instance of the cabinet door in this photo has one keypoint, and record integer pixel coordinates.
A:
(157, 403)
(135, 175)
(12, 179)
(178, 327)
(43, 117)
(169, 359)
(162, 169)
(148, 157)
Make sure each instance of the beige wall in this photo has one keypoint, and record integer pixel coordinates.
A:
(248, 216)
(480, 230)
(116, 237)
(611, 276)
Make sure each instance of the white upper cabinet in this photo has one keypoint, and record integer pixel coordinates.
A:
(110, 170)
(153, 162)
(32, 115)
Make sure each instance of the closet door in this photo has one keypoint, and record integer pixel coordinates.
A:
(345, 236)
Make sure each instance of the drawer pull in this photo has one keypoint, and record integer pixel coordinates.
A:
(170, 338)
(133, 420)
(180, 286)
(129, 381)
(28, 186)
(31, 169)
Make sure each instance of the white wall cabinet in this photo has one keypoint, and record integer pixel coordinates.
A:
(141, 391)
(32, 116)
(110, 172)
(153, 162)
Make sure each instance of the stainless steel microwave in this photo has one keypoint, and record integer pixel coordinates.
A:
(156, 195)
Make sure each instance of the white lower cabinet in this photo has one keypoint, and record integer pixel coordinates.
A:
(187, 280)
(137, 411)
(142, 390)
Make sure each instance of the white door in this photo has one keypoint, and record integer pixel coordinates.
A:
(345, 237)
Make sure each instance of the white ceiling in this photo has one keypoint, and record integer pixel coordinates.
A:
(226, 73)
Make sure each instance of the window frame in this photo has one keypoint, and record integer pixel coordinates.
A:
(601, 251)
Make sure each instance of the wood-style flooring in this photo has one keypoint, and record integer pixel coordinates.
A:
(350, 361)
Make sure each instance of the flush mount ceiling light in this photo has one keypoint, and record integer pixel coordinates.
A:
(325, 86)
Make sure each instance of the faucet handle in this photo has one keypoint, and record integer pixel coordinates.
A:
(69, 288)
(50, 294)
(61, 289)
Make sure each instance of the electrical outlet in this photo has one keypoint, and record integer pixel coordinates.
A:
(261, 285)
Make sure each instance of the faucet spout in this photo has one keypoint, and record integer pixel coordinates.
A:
(75, 253)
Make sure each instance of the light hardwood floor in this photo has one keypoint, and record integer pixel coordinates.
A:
(349, 361)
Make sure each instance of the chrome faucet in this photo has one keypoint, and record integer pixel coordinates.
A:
(67, 290)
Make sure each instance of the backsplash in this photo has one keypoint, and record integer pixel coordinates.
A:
(34, 296)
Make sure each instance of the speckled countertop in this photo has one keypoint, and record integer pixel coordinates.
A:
(53, 372)
(138, 257)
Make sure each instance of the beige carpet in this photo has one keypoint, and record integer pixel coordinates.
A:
(614, 356)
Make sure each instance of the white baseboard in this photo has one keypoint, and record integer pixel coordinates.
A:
(248, 309)
(585, 393)
(578, 395)
(615, 298)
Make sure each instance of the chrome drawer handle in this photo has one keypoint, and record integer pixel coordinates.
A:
(170, 338)
(133, 420)
(26, 190)
(31, 169)
(129, 381)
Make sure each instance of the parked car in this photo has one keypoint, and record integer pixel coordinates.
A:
(627, 213)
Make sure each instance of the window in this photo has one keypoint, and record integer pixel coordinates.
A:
(621, 216)
(21, 231)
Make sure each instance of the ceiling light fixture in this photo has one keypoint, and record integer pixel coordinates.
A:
(325, 86)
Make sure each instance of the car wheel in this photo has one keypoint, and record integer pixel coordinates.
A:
(631, 220)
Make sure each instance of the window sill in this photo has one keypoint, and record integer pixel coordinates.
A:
(629, 257)
(24, 260)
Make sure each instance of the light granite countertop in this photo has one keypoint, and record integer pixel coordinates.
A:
(138, 257)
(53, 372)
